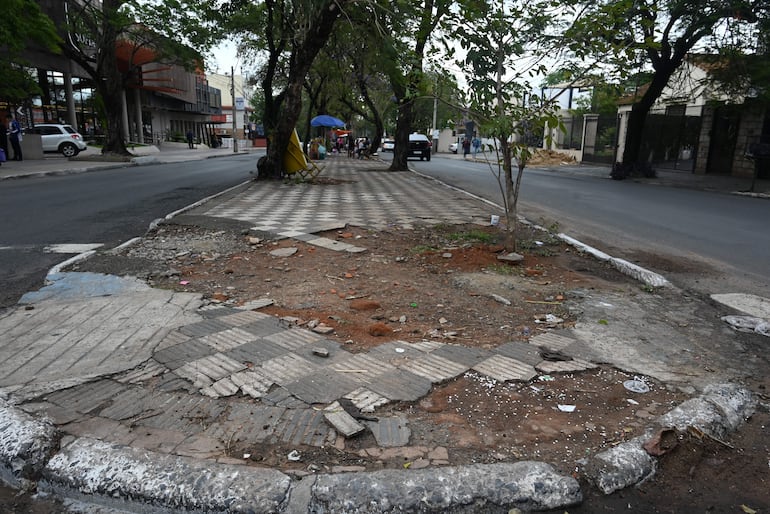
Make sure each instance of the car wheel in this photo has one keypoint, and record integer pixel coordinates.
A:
(68, 150)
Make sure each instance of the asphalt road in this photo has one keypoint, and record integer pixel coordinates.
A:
(107, 207)
(706, 241)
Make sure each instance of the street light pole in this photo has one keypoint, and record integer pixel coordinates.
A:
(235, 111)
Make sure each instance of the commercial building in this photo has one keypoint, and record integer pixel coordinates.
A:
(161, 102)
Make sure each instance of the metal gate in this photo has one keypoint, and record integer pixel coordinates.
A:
(670, 139)
(724, 137)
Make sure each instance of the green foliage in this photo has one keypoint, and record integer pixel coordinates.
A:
(24, 26)
(624, 37)
(501, 101)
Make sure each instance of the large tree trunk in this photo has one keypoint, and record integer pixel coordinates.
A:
(109, 83)
(288, 110)
(632, 157)
(403, 126)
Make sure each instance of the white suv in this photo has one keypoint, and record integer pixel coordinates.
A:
(59, 138)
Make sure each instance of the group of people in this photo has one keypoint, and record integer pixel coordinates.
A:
(468, 143)
(10, 132)
(362, 147)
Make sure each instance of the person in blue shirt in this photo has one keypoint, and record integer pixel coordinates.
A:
(14, 136)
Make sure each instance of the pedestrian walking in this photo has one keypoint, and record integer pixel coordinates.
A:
(466, 147)
(15, 137)
(476, 143)
(190, 139)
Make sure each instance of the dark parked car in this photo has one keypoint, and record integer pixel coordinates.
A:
(419, 146)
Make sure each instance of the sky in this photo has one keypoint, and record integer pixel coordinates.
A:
(224, 59)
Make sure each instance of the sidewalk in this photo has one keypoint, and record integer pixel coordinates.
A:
(670, 178)
(128, 396)
(89, 160)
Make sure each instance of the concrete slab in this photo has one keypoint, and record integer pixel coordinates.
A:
(366, 400)
(295, 338)
(565, 366)
(522, 352)
(176, 356)
(252, 383)
(400, 385)
(464, 355)
(753, 305)
(504, 369)
(390, 432)
(552, 341)
(227, 339)
(256, 352)
(342, 422)
(434, 368)
(287, 368)
(205, 371)
(321, 386)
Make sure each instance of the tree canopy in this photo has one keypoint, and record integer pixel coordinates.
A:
(628, 35)
(24, 27)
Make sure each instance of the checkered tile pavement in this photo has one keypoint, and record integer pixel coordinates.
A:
(367, 195)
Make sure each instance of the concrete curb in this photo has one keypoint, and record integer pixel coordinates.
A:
(25, 446)
(719, 411)
(645, 276)
(144, 481)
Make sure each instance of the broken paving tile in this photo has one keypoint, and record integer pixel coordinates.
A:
(320, 352)
(565, 366)
(510, 257)
(366, 400)
(552, 341)
(257, 304)
(342, 422)
(390, 432)
(504, 369)
(284, 252)
(252, 383)
(322, 328)
(220, 388)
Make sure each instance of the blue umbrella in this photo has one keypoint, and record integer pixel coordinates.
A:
(324, 120)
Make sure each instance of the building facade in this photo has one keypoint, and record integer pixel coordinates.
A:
(161, 102)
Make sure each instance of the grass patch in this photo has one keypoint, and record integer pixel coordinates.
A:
(532, 247)
(423, 249)
(503, 269)
(474, 235)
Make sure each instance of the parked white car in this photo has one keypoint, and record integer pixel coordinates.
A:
(59, 138)
(453, 147)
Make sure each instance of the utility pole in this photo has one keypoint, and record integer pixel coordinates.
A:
(235, 111)
(433, 138)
